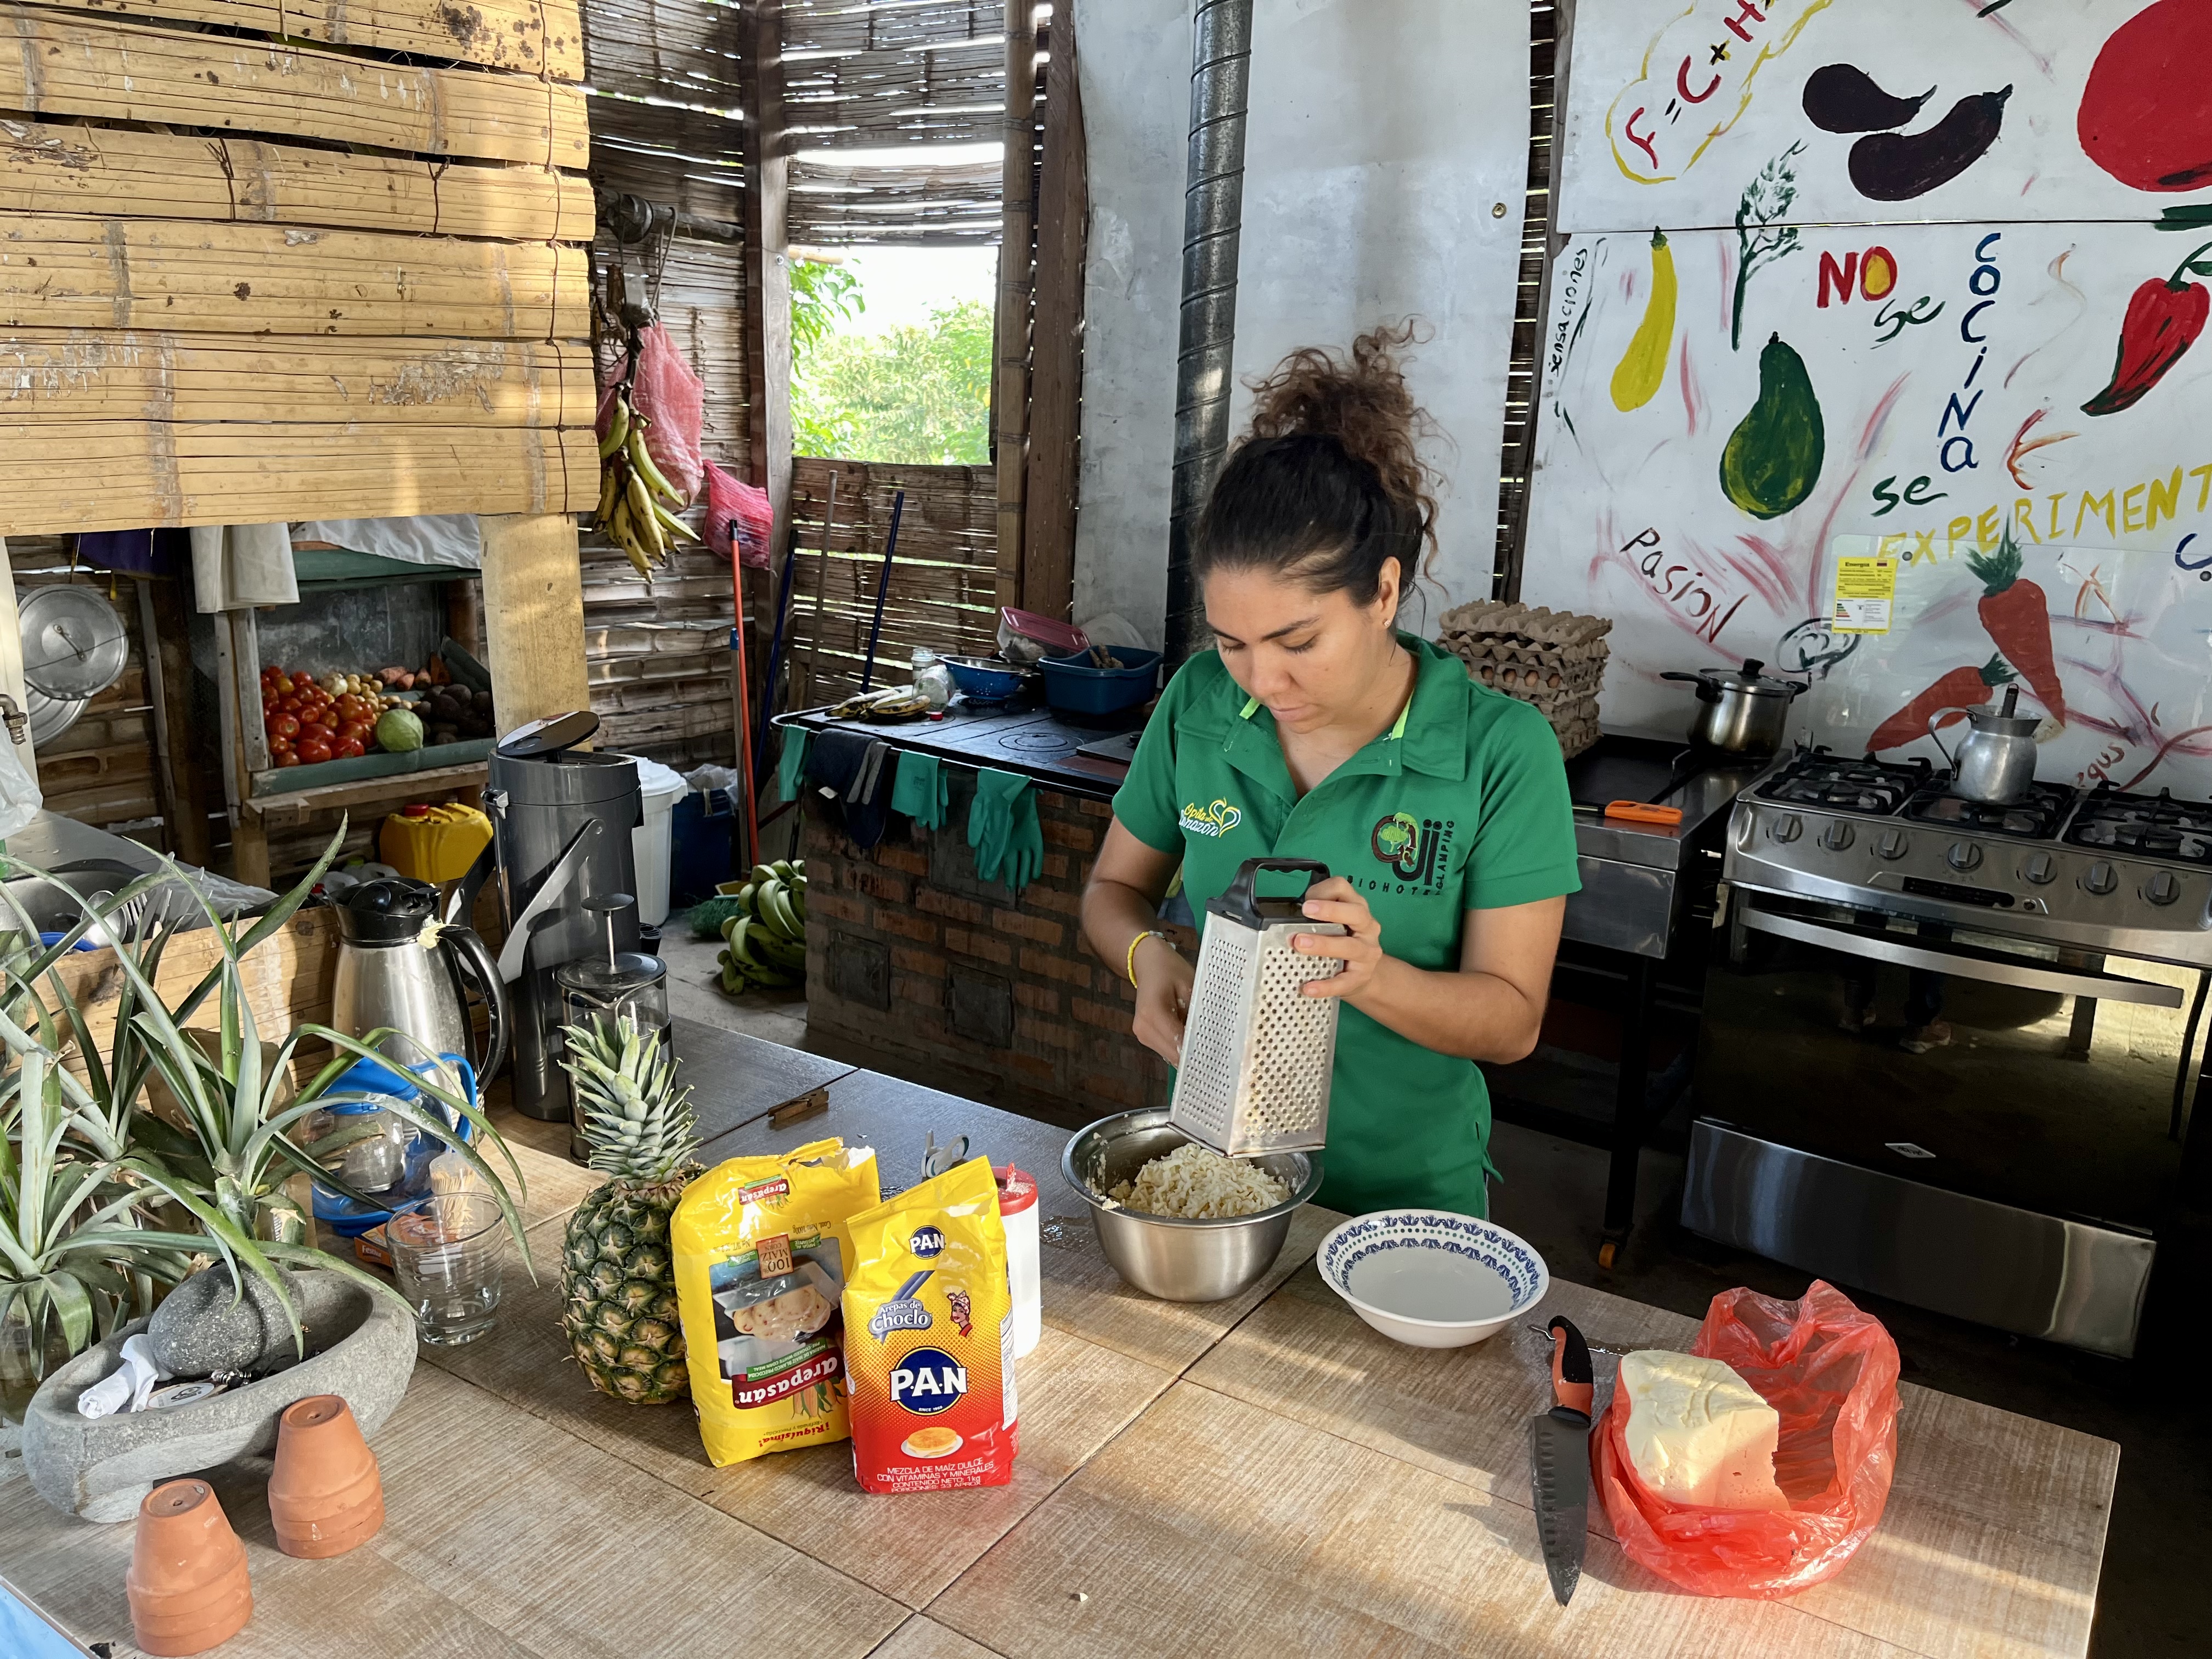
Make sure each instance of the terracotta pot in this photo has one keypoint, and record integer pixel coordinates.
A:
(325, 1497)
(187, 1582)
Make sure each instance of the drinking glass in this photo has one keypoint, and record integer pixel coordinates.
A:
(448, 1253)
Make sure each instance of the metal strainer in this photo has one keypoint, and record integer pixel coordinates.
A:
(1256, 1052)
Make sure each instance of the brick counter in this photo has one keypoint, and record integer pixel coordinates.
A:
(915, 967)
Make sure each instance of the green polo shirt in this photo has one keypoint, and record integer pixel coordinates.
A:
(1461, 805)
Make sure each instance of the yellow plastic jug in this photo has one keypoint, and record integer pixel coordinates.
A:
(434, 844)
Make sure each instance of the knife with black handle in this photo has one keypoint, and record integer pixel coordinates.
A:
(1558, 1461)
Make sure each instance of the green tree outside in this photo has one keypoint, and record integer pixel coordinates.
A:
(914, 394)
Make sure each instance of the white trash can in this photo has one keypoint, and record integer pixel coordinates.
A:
(650, 843)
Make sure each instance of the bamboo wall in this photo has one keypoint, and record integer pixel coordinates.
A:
(212, 310)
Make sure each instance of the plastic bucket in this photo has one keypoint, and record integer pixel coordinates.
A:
(1072, 686)
(652, 842)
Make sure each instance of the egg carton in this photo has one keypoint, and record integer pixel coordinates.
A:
(1530, 679)
(1543, 626)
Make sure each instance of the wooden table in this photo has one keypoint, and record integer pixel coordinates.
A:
(1265, 1477)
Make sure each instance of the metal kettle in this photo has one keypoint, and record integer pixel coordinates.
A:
(1740, 711)
(397, 969)
(1995, 761)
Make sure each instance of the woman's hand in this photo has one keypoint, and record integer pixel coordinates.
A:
(1164, 982)
(1360, 949)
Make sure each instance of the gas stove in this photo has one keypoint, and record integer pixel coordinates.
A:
(2096, 870)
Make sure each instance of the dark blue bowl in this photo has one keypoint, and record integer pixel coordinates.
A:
(984, 681)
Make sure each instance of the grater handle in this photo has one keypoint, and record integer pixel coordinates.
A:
(1238, 904)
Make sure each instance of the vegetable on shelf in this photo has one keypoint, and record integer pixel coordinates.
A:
(1960, 689)
(308, 720)
(2163, 318)
(2017, 616)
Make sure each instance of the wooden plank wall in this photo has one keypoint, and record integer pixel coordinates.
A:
(220, 314)
(659, 653)
(943, 576)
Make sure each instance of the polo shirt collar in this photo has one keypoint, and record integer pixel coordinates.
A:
(1429, 736)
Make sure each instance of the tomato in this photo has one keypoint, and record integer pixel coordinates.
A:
(355, 731)
(287, 758)
(284, 725)
(351, 748)
(303, 681)
(270, 674)
(280, 745)
(314, 750)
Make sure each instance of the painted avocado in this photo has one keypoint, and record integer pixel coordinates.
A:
(1773, 457)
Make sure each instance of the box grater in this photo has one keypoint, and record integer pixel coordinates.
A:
(1256, 1052)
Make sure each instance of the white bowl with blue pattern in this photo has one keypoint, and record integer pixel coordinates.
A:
(1430, 1277)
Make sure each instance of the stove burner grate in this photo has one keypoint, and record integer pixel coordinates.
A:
(2035, 818)
(1817, 778)
(2153, 826)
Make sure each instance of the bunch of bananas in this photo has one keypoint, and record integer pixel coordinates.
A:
(895, 703)
(764, 945)
(631, 488)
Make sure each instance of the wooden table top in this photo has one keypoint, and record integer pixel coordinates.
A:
(1261, 1477)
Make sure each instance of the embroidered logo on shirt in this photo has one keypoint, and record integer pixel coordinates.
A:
(1216, 820)
(1412, 849)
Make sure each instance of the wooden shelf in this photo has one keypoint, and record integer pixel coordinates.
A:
(283, 812)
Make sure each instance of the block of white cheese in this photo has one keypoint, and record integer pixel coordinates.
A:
(1699, 1434)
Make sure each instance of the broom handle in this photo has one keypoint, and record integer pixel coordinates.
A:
(883, 591)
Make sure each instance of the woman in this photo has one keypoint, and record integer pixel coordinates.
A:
(1316, 729)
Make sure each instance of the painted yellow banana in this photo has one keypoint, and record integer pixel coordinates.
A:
(1643, 365)
(618, 431)
(642, 460)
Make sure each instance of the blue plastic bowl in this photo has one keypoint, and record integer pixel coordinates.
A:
(985, 681)
(1074, 686)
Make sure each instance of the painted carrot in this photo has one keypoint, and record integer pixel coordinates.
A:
(2018, 618)
(1962, 687)
(2163, 320)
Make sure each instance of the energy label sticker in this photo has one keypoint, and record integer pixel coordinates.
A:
(1866, 589)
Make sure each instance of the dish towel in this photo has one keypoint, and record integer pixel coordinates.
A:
(236, 567)
(791, 767)
(1003, 828)
(922, 790)
(851, 766)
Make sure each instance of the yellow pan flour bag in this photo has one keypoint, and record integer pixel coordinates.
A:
(929, 1337)
(762, 1256)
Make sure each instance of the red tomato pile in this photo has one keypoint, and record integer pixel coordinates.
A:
(307, 723)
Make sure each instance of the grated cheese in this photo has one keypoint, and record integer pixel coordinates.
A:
(1194, 1183)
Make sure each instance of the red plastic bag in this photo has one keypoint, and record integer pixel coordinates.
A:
(667, 392)
(1831, 1371)
(731, 503)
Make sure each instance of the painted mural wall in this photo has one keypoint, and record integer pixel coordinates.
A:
(1889, 383)
(1386, 159)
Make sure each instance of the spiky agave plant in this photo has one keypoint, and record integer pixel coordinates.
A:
(226, 1166)
(618, 1272)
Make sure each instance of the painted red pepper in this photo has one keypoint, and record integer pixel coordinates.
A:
(2163, 320)
(1962, 687)
(2017, 616)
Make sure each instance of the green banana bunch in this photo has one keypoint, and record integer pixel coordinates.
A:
(764, 945)
(632, 489)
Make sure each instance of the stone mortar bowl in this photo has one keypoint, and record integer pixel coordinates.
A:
(360, 1345)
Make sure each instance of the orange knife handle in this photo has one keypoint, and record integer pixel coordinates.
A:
(1572, 1376)
(1637, 811)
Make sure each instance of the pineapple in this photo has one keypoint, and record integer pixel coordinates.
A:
(618, 1274)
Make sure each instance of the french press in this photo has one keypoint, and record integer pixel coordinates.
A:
(601, 991)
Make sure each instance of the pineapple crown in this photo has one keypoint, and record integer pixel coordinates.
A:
(638, 1124)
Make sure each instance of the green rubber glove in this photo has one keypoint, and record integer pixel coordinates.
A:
(920, 789)
(991, 820)
(791, 769)
(1026, 848)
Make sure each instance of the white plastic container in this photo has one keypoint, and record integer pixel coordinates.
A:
(652, 842)
(1017, 1212)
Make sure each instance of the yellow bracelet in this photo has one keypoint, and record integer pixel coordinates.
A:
(1148, 933)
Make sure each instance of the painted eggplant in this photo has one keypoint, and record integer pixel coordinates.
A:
(1843, 98)
(1773, 459)
(1896, 167)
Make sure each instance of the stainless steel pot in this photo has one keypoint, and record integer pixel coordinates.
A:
(1174, 1260)
(1995, 761)
(1740, 711)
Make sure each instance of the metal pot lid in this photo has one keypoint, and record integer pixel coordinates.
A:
(75, 643)
(550, 736)
(1749, 681)
(50, 716)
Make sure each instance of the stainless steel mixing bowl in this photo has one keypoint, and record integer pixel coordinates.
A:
(1175, 1260)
